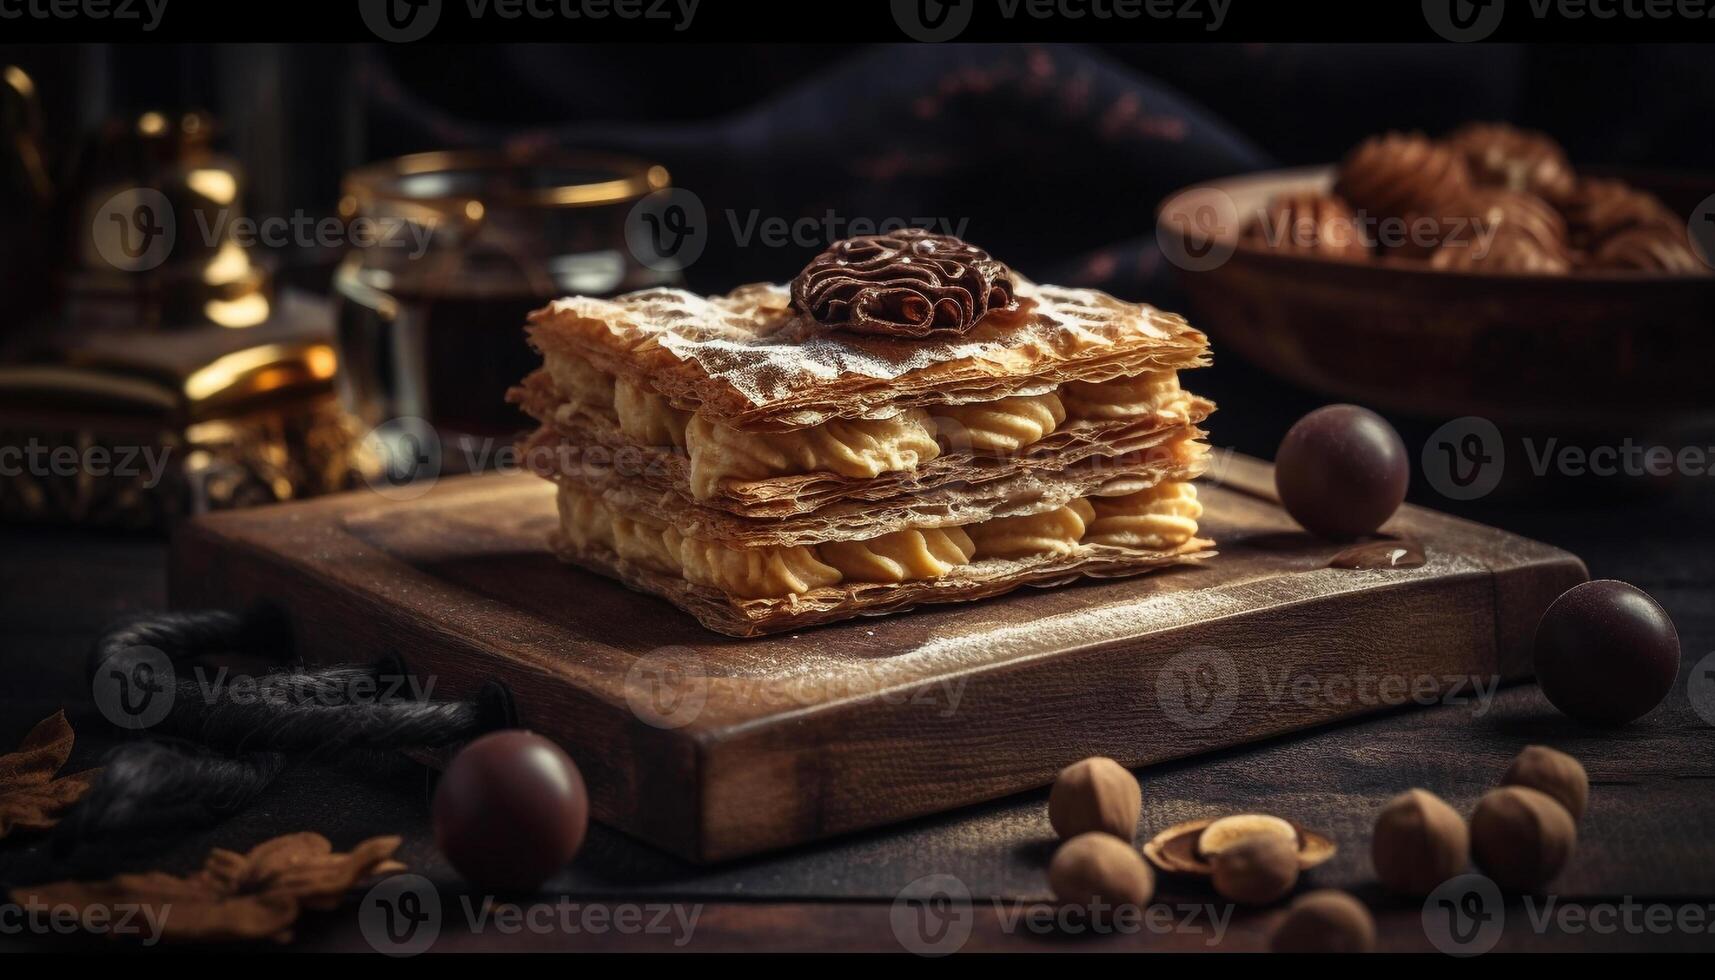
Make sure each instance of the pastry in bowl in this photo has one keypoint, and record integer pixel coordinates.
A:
(907, 422)
(1488, 198)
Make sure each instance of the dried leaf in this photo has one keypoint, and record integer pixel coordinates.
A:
(30, 797)
(250, 896)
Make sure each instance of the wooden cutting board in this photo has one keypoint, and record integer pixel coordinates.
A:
(713, 747)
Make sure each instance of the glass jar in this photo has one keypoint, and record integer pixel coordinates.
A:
(449, 252)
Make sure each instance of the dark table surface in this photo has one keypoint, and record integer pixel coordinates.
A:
(1646, 854)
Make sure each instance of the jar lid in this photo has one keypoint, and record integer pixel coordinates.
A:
(467, 182)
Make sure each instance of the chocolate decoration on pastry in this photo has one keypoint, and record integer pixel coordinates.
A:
(1307, 223)
(1500, 155)
(1649, 249)
(910, 283)
(1401, 174)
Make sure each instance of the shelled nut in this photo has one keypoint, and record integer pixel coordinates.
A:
(1553, 772)
(1325, 921)
(1100, 867)
(1258, 870)
(1095, 794)
(1419, 842)
(1521, 837)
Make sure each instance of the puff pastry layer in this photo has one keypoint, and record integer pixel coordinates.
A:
(764, 473)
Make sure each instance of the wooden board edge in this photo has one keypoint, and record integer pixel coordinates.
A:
(647, 782)
(756, 795)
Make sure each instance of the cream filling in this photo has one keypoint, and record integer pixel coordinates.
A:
(1161, 518)
(1126, 397)
(1054, 532)
(857, 448)
(646, 418)
(1164, 516)
(1003, 426)
(580, 382)
(902, 556)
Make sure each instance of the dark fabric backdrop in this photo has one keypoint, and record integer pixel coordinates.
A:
(1055, 154)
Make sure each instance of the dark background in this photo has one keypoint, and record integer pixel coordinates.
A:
(1058, 155)
(1053, 152)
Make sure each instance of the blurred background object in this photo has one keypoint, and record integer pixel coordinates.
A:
(152, 368)
(1053, 156)
(463, 246)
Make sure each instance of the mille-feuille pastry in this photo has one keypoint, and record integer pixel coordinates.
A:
(907, 422)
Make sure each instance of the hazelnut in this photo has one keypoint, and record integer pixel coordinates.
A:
(1325, 921)
(1258, 870)
(1227, 831)
(1419, 842)
(1555, 773)
(1521, 837)
(1095, 794)
(1098, 866)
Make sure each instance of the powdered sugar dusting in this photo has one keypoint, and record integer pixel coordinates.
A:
(751, 338)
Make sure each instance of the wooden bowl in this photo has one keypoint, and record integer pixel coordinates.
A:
(1592, 351)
